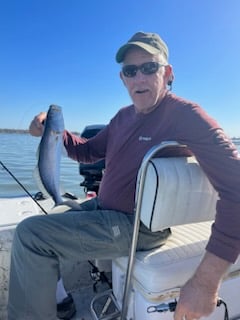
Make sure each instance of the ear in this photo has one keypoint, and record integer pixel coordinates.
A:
(169, 76)
(122, 78)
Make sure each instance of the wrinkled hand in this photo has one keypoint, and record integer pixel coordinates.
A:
(198, 297)
(195, 301)
(36, 127)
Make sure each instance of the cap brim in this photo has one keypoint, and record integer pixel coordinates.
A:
(122, 51)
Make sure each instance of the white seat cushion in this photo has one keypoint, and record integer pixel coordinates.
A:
(176, 191)
(171, 265)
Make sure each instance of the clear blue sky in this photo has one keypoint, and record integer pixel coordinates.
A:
(63, 52)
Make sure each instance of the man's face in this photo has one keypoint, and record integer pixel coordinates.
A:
(146, 90)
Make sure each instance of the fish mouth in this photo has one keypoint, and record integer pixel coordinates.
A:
(55, 107)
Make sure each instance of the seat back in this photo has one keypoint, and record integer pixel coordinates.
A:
(175, 191)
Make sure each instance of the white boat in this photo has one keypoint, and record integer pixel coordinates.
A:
(145, 285)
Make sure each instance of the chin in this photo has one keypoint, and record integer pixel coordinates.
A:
(144, 109)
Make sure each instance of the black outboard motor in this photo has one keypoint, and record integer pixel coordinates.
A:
(92, 173)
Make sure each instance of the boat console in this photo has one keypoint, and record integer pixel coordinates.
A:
(92, 173)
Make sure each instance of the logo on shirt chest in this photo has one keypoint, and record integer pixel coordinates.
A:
(142, 138)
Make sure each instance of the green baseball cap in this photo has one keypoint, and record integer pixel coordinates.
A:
(151, 42)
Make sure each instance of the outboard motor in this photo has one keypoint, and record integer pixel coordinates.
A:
(92, 173)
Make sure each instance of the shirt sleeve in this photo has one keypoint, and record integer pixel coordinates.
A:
(86, 150)
(220, 160)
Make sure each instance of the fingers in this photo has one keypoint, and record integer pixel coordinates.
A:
(185, 317)
(195, 302)
(184, 314)
(36, 126)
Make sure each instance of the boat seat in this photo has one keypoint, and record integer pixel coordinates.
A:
(174, 193)
(168, 266)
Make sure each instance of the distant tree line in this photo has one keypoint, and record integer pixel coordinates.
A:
(14, 131)
(22, 131)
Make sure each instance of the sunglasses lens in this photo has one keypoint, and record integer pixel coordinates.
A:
(149, 67)
(129, 71)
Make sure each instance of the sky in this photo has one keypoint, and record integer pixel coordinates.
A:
(63, 52)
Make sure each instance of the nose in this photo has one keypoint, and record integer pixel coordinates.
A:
(139, 76)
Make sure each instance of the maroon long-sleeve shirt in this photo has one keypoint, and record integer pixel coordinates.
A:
(129, 135)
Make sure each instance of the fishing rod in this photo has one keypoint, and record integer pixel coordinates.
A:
(95, 273)
(22, 186)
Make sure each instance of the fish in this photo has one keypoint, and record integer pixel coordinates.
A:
(49, 155)
(50, 150)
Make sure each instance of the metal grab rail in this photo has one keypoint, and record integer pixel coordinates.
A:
(138, 204)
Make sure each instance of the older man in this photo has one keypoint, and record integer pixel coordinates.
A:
(103, 228)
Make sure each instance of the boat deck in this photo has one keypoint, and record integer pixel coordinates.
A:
(82, 299)
(83, 292)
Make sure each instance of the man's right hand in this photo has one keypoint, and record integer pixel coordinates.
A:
(36, 127)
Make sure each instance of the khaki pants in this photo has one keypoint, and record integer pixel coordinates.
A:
(42, 244)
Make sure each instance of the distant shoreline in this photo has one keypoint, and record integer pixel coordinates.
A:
(22, 131)
(14, 131)
(235, 140)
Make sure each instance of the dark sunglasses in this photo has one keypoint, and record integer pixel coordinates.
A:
(130, 70)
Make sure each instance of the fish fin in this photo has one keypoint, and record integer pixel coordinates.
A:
(66, 206)
(38, 180)
(72, 204)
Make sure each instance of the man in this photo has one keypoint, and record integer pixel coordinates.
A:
(103, 228)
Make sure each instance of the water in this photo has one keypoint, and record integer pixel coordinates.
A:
(18, 154)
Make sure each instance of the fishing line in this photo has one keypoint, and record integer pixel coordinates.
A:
(22, 186)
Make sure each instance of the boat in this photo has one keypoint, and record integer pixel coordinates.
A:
(145, 285)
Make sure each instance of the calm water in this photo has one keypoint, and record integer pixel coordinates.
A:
(18, 154)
